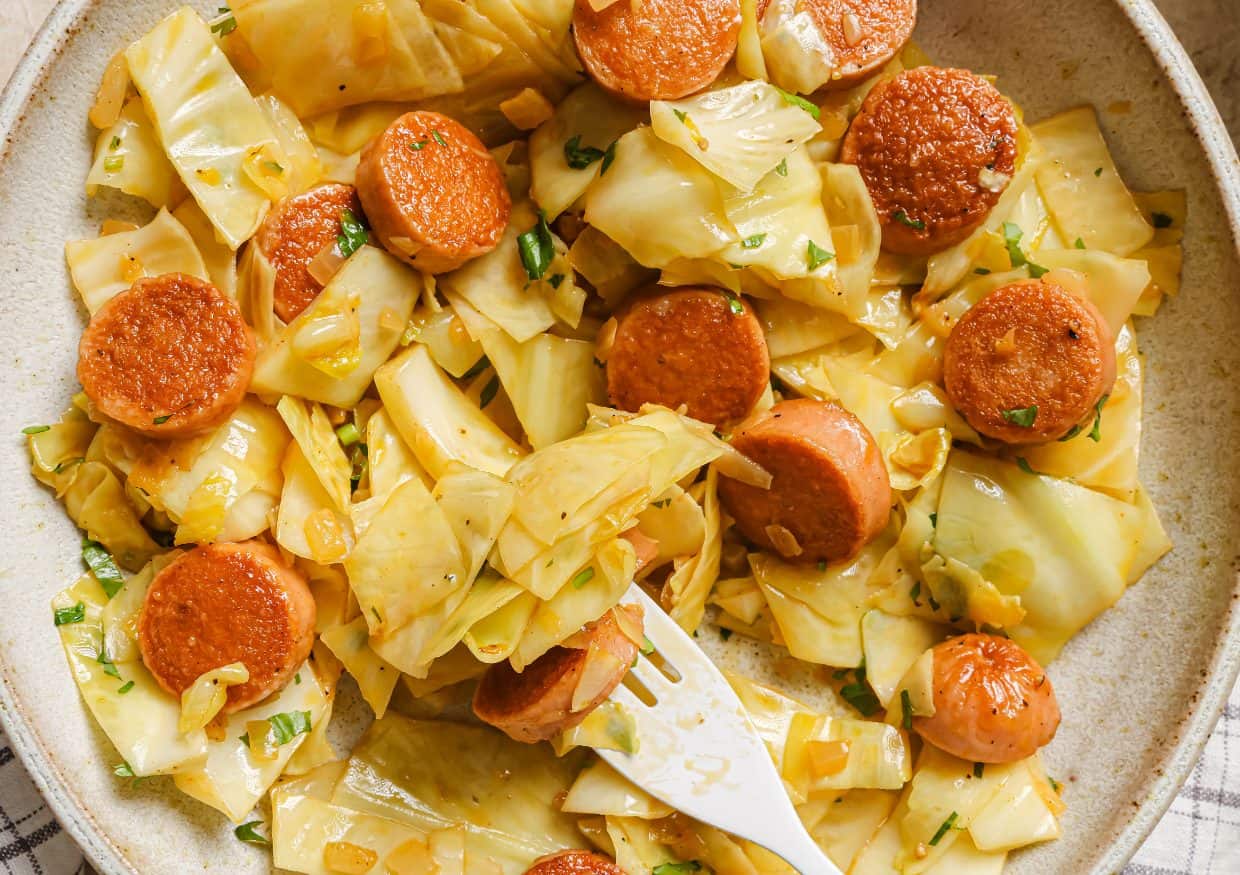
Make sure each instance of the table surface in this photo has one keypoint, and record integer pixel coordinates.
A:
(1190, 839)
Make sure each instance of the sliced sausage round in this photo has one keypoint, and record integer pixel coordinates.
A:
(223, 603)
(296, 231)
(1029, 362)
(693, 345)
(993, 703)
(171, 357)
(657, 49)
(863, 35)
(434, 195)
(830, 494)
(574, 863)
(537, 703)
(936, 148)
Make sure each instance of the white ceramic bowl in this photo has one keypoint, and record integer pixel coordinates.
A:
(1141, 688)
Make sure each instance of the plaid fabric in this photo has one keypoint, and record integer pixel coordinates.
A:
(1200, 834)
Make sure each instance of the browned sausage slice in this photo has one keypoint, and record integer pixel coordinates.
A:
(171, 357)
(936, 148)
(693, 345)
(829, 487)
(225, 603)
(1029, 362)
(993, 703)
(537, 703)
(657, 49)
(574, 863)
(432, 192)
(296, 231)
(863, 35)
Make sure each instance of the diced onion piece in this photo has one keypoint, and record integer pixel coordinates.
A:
(326, 537)
(370, 32)
(116, 226)
(411, 858)
(596, 677)
(783, 539)
(264, 166)
(329, 339)
(827, 758)
(992, 180)
(527, 110)
(262, 741)
(735, 464)
(204, 698)
(326, 264)
(348, 858)
(606, 339)
(608, 727)
(600, 5)
(131, 268)
(110, 98)
(630, 624)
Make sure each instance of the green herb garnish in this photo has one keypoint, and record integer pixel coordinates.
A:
(947, 824)
(287, 726)
(982, 271)
(108, 667)
(489, 392)
(1021, 416)
(903, 218)
(65, 465)
(247, 833)
(647, 646)
(735, 305)
(753, 242)
(906, 706)
(859, 695)
(36, 429)
(677, 868)
(782, 167)
(123, 770)
(580, 157)
(479, 366)
(555, 280)
(103, 566)
(934, 520)
(582, 578)
(822, 564)
(915, 592)
(1072, 432)
(224, 26)
(1095, 433)
(65, 616)
(978, 769)
(799, 102)
(348, 434)
(725, 634)
(125, 688)
(1037, 271)
(1097, 171)
(353, 234)
(680, 115)
(818, 256)
(608, 157)
(1012, 235)
(114, 144)
(438, 137)
(417, 146)
(114, 163)
(1162, 220)
(537, 248)
(1079, 244)
(1024, 465)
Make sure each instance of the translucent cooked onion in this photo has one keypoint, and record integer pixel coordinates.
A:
(348, 858)
(326, 264)
(600, 5)
(785, 542)
(606, 339)
(630, 622)
(597, 678)
(110, 98)
(738, 466)
(827, 757)
(204, 698)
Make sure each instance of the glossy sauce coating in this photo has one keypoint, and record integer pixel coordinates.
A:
(537, 703)
(223, 603)
(657, 49)
(936, 148)
(296, 231)
(689, 346)
(829, 485)
(574, 863)
(1029, 345)
(171, 357)
(863, 35)
(434, 195)
(993, 702)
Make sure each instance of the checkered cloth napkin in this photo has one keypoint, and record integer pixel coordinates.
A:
(1199, 836)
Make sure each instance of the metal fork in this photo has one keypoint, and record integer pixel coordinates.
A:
(698, 751)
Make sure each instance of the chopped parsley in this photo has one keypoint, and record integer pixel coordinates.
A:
(934, 520)
(1055, 785)
(274, 167)
(947, 824)
(417, 146)
(123, 770)
(489, 392)
(479, 366)
(108, 667)
(1097, 171)
(725, 634)
(1079, 244)
(906, 707)
(580, 157)
(1162, 220)
(581, 578)
(438, 137)
(680, 115)
(753, 242)
(1024, 465)
(608, 157)
(1072, 432)
(555, 280)
(677, 868)
(735, 305)
(982, 271)
(36, 429)
(661, 503)
(818, 256)
(359, 463)
(103, 566)
(822, 564)
(537, 248)
(348, 434)
(125, 688)
(65, 465)
(247, 833)
(114, 144)
(859, 695)
(782, 167)
(915, 593)
(65, 616)
(903, 218)
(114, 163)
(799, 102)
(1012, 235)
(1095, 433)
(1024, 417)
(979, 769)
(353, 234)
(287, 726)
(1037, 271)
(227, 25)
(160, 420)
(647, 646)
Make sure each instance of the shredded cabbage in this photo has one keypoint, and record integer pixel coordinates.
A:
(129, 158)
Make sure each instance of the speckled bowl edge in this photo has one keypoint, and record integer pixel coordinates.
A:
(1209, 699)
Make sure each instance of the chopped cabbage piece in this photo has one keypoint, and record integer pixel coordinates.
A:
(98, 503)
(375, 678)
(212, 130)
(304, 168)
(1083, 188)
(310, 358)
(600, 789)
(677, 522)
(203, 699)
(314, 435)
(849, 821)
(692, 578)
(308, 522)
(798, 56)
(106, 266)
(793, 328)
(658, 203)
(450, 344)
(494, 638)
(606, 266)
(739, 133)
(838, 753)
(1024, 812)
(892, 644)
(1113, 284)
(855, 227)
(437, 421)
(129, 158)
(749, 60)
(220, 260)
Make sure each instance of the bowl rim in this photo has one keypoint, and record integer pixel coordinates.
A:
(1207, 126)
